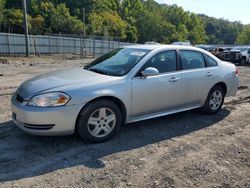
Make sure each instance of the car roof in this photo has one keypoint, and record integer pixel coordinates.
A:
(160, 46)
(241, 46)
(169, 47)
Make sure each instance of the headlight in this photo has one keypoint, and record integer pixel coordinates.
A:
(49, 99)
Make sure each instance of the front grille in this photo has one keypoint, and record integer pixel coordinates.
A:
(19, 98)
(32, 126)
(39, 127)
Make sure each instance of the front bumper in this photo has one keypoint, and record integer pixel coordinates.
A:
(45, 121)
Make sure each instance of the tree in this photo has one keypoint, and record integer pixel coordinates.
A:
(107, 23)
(166, 24)
(34, 7)
(2, 6)
(37, 25)
(220, 31)
(105, 5)
(196, 28)
(130, 10)
(130, 20)
(149, 27)
(62, 21)
(131, 33)
(152, 26)
(13, 20)
(244, 36)
(46, 11)
(182, 33)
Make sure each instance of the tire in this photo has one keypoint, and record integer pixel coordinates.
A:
(214, 101)
(243, 61)
(99, 121)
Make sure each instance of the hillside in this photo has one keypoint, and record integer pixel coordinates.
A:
(129, 20)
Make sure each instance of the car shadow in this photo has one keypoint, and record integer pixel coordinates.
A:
(24, 155)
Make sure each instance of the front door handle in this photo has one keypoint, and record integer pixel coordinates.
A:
(173, 79)
(209, 74)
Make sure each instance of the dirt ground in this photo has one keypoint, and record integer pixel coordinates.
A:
(187, 149)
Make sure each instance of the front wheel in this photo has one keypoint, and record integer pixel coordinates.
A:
(99, 121)
(214, 101)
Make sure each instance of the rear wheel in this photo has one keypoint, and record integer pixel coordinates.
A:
(243, 61)
(99, 121)
(214, 101)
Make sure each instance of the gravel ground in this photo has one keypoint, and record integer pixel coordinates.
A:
(187, 149)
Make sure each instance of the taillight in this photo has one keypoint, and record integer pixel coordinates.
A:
(237, 72)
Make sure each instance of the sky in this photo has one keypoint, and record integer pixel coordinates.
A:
(231, 10)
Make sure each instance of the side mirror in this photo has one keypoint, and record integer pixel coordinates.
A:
(248, 51)
(150, 71)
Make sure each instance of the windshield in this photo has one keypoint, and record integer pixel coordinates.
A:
(239, 48)
(117, 62)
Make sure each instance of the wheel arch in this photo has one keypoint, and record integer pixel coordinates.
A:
(223, 85)
(114, 99)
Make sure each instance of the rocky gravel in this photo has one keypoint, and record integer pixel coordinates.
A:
(187, 149)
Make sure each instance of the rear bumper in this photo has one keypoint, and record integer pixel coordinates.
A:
(234, 84)
(45, 121)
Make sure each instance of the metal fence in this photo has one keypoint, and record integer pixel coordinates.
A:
(14, 44)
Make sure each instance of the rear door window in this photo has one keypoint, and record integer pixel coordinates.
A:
(191, 59)
(210, 61)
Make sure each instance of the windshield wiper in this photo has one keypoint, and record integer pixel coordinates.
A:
(98, 71)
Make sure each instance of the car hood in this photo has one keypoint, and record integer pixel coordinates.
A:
(60, 79)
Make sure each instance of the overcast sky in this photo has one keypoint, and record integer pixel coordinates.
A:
(233, 10)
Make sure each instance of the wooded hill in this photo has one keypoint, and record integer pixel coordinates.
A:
(130, 20)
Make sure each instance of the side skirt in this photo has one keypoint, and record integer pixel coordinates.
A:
(159, 114)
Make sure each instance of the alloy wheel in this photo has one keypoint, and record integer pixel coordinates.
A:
(101, 122)
(215, 100)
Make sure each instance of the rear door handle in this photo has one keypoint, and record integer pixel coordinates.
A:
(209, 74)
(173, 79)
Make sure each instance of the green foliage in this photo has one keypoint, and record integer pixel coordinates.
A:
(131, 33)
(46, 11)
(105, 5)
(244, 36)
(130, 20)
(166, 24)
(62, 21)
(220, 31)
(197, 33)
(37, 25)
(130, 10)
(152, 27)
(13, 20)
(34, 7)
(55, 18)
(75, 6)
(2, 6)
(107, 24)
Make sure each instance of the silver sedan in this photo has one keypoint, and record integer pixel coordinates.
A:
(126, 85)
